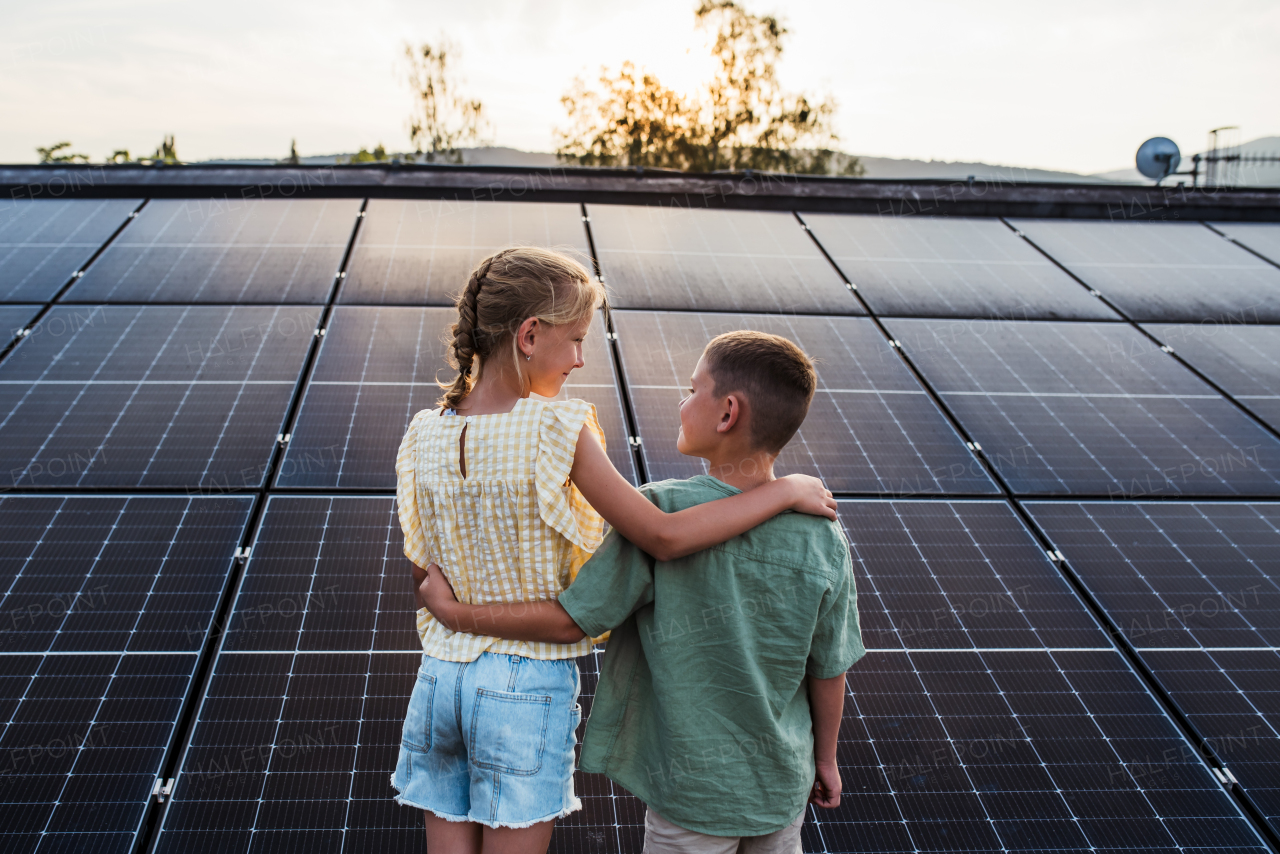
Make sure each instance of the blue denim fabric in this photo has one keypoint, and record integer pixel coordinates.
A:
(491, 741)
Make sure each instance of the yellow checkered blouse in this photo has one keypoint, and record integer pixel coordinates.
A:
(515, 529)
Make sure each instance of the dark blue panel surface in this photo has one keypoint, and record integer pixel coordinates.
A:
(1090, 409)
(717, 260)
(870, 428)
(422, 252)
(42, 243)
(220, 250)
(950, 267)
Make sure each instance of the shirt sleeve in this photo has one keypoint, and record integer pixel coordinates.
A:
(415, 541)
(560, 503)
(610, 587)
(837, 639)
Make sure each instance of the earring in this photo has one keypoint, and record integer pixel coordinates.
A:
(528, 356)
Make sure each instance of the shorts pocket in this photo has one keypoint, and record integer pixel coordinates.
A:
(509, 731)
(417, 722)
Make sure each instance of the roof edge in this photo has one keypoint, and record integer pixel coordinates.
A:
(730, 190)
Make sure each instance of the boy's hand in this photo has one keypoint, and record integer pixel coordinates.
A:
(437, 594)
(826, 788)
(811, 496)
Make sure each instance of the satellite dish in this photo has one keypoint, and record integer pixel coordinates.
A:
(1158, 158)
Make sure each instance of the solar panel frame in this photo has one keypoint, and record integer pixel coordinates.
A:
(1244, 361)
(84, 390)
(1089, 409)
(1163, 272)
(422, 251)
(210, 250)
(1261, 237)
(908, 447)
(377, 368)
(950, 267)
(1193, 589)
(43, 242)
(722, 260)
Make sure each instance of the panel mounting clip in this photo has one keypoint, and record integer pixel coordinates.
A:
(342, 275)
(162, 789)
(242, 554)
(633, 441)
(973, 446)
(611, 336)
(1226, 772)
(1166, 348)
(1095, 292)
(851, 286)
(895, 343)
(319, 333)
(282, 439)
(360, 215)
(23, 333)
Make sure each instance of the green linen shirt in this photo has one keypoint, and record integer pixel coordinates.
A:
(701, 710)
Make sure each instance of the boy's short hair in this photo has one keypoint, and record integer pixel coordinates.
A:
(775, 376)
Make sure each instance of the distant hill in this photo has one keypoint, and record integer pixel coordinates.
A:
(1259, 175)
(877, 167)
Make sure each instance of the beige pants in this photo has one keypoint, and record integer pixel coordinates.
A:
(663, 837)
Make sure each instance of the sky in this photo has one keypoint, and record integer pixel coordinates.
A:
(1071, 86)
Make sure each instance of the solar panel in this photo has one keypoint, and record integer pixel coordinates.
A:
(168, 396)
(1243, 360)
(1261, 237)
(100, 573)
(422, 252)
(870, 428)
(1090, 409)
(220, 250)
(302, 720)
(106, 602)
(1163, 271)
(991, 712)
(377, 368)
(42, 243)
(680, 258)
(14, 318)
(1195, 588)
(950, 267)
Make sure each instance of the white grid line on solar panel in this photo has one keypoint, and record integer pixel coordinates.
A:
(59, 361)
(107, 272)
(1162, 271)
(832, 340)
(955, 757)
(92, 601)
(973, 539)
(1017, 333)
(795, 280)
(93, 222)
(1185, 550)
(954, 266)
(267, 592)
(387, 259)
(121, 763)
(1263, 238)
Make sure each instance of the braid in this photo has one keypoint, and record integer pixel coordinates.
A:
(465, 334)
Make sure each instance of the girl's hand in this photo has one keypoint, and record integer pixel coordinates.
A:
(811, 496)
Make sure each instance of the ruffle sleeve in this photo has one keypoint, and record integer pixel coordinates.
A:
(415, 541)
(560, 503)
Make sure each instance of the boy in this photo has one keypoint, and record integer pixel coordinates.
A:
(722, 689)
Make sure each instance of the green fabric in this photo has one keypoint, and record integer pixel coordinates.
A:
(702, 710)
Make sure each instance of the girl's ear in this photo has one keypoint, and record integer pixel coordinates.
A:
(526, 334)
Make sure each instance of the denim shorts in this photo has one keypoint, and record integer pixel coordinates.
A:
(491, 740)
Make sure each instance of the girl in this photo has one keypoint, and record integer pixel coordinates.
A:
(509, 496)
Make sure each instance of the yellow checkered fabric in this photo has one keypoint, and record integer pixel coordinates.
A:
(515, 529)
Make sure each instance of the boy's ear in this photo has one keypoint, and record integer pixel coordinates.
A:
(730, 413)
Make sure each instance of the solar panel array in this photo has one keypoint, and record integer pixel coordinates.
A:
(1055, 442)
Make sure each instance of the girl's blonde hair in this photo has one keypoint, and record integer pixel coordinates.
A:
(504, 290)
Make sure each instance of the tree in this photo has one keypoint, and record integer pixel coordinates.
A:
(442, 119)
(56, 154)
(293, 159)
(120, 155)
(378, 154)
(742, 119)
